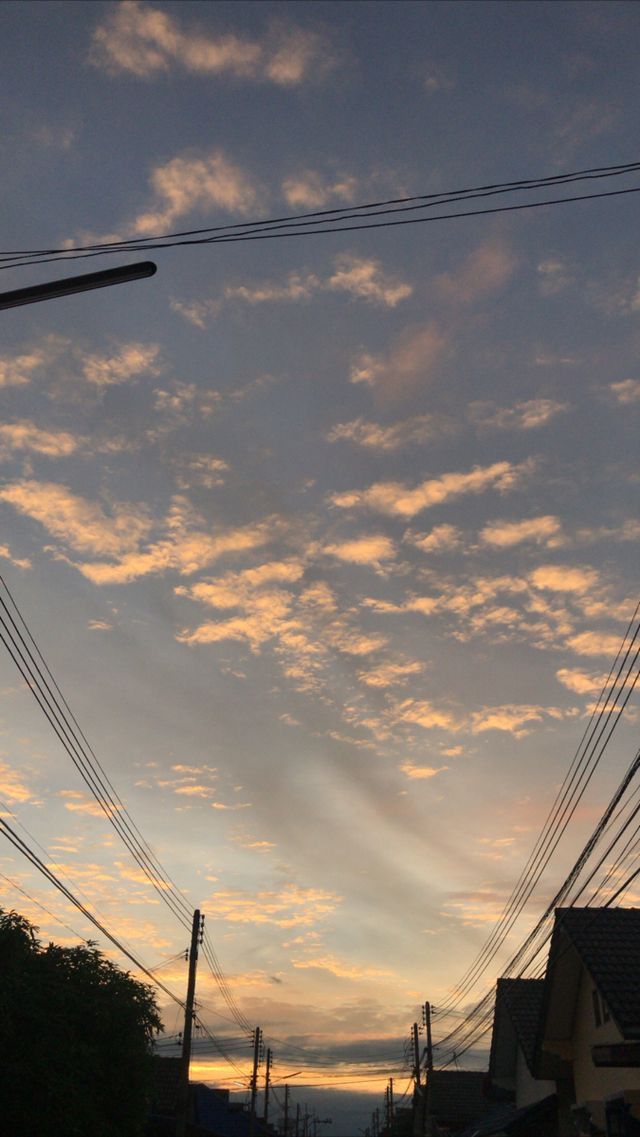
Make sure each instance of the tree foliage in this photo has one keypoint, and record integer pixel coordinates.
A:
(75, 1039)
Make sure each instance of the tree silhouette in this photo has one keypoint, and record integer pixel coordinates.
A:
(75, 1039)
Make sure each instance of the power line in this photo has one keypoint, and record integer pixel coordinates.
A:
(301, 224)
(23, 848)
(40, 680)
(604, 718)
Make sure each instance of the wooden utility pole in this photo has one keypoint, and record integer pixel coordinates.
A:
(267, 1085)
(257, 1043)
(183, 1094)
(416, 1056)
(391, 1113)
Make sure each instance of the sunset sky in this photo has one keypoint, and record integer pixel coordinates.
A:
(329, 542)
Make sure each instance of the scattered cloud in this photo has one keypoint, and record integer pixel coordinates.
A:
(25, 435)
(140, 40)
(78, 802)
(83, 525)
(626, 391)
(485, 271)
(131, 360)
(580, 682)
(523, 416)
(369, 550)
(441, 539)
(545, 530)
(309, 190)
(594, 643)
(553, 276)
(397, 500)
(18, 370)
(13, 787)
(360, 277)
(564, 578)
(410, 363)
(186, 184)
(340, 969)
(418, 773)
(374, 436)
(18, 562)
(363, 278)
(391, 674)
(291, 907)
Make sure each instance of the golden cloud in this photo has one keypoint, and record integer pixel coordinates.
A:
(291, 907)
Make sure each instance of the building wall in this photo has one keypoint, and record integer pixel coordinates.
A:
(594, 1084)
(528, 1088)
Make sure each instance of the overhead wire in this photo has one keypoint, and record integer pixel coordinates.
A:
(583, 766)
(301, 224)
(33, 858)
(29, 659)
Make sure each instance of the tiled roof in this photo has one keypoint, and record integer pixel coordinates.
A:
(608, 943)
(457, 1097)
(523, 1000)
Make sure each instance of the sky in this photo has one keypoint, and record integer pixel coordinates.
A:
(329, 542)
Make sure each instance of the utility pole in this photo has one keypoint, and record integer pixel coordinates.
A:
(286, 1110)
(416, 1056)
(426, 1104)
(257, 1044)
(427, 1023)
(183, 1098)
(267, 1078)
(391, 1113)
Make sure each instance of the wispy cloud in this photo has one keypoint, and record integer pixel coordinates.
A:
(13, 786)
(310, 190)
(545, 530)
(441, 539)
(553, 276)
(391, 674)
(138, 39)
(564, 578)
(290, 907)
(420, 773)
(516, 720)
(340, 968)
(522, 416)
(83, 525)
(398, 500)
(18, 370)
(19, 562)
(374, 436)
(361, 278)
(25, 435)
(131, 359)
(186, 184)
(409, 364)
(485, 271)
(626, 391)
(370, 549)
